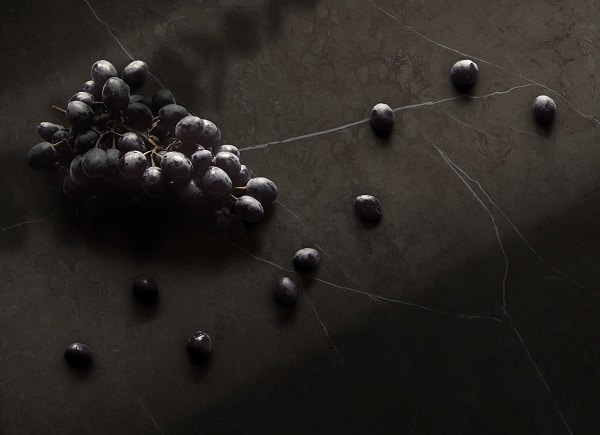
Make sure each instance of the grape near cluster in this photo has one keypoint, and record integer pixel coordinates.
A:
(120, 147)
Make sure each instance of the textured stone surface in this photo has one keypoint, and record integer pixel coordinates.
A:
(266, 71)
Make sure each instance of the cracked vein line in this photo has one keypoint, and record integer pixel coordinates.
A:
(511, 223)
(150, 415)
(541, 376)
(425, 37)
(452, 165)
(471, 127)
(37, 221)
(374, 295)
(397, 109)
(110, 29)
(314, 309)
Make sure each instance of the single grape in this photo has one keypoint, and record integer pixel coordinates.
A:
(544, 109)
(85, 141)
(176, 166)
(115, 95)
(135, 74)
(113, 158)
(285, 292)
(93, 88)
(382, 119)
(94, 163)
(131, 142)
(189, 129)
(154, 182)
(262, 189)
(230, 149)
(229, 162)
(146, 101)
(102, 71)
(242, 178)
(145, 289)
(71, 189)
(191, 193)
(133, 164)
(464, 73)
(368, 208)
(248, 208)
(171, 114)
(201, 160)
(216, 182)
(76, 171)
(237, 228)
(78, 355)
(80, 115)
(211, 136)
(199, 346)
(61, 135)
(139, 116)
(161, 98)
(47, 129)
(306, 259)
(84, 97)
(42, 156)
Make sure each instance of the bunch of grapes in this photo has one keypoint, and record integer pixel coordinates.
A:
(124, 148)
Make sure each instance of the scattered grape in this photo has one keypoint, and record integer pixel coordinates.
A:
(382, 119)
(464, 73)
(199, 346)
(306, 259)
(145, 289)
(78, 355)
(544, 109)
(368, 208)
(285, 292)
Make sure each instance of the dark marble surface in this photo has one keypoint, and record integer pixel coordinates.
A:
(473, 308)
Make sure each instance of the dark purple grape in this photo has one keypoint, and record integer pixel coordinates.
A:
(131, 142)
(84, 97)
(133, 164)
(47, 129)
(242, 178)
(102, 71)
(237, 228)
(135, 74)
(42, 156)
(368, 208)
(191, 193)
(161, 98)
(382, 119)
(61, 135)
(76, 171)
(113, 158)
(211, 136)
(139, 116)
(229, 162)
(176, 166)
(464, 73)
(154, 182)
(85, 141)
(189, 129)
(306, 259)
(199, 346)
(201, 160)
(285, 292)
(145, 289)
(171, 114)
(80, 115)
(160, 131)
(71, 189)
(115, 95)
(544, 109)
(146, 101)
(95, 163)
(230, 149)
(92, 88)
(248, 208)
(216, 182)
(188, 148)
(78, 355)
(262, 189)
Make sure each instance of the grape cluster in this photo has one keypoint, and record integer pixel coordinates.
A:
(121, 147)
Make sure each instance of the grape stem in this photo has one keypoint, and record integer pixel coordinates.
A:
(60, 109)
(143, 136)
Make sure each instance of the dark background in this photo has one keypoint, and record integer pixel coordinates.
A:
(265, 71)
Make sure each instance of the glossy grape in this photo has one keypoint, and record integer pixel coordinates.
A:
(133, 164)
(85, 141)
(47, 129)
(242, 178)
(131, 142)
(285, 292)
(76, 171)
(171, 114)
(42, 156)
(160, 99)
(306, 259)
(368, 208)
(92, 88)
(78, 355)
(154, 182)
(94, 163)
(382, 119)
(230, 149)
(216, 182)
(199, 346)
(145, 289)
(201, 160)
(139, 116)
(248, 208)
(115, 95)
(464, 73)
(80, 115)
(189, 129)
(229, 162)
(544, 109)
(176, 166)
(262, 189)
(135, 74)
(102, 71)
(84, 97)
(211, 136)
